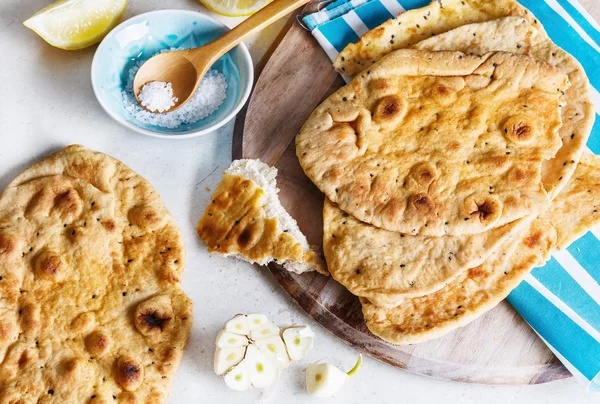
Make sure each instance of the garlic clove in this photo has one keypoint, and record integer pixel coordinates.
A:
(298, 340)
(238, 325)
(256, 320)
(237, 378)
(226, 358)
(264, 331)
(324, 380)
(226, 339)
(261, 370)
(274, 348)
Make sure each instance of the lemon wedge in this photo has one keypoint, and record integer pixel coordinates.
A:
(235, 8)
(76, 24)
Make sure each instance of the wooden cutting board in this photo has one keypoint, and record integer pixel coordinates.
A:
(498, 348)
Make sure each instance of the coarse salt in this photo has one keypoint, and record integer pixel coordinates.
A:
(157, 96)
(206, 100)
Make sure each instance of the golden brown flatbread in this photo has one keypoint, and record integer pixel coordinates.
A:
(478, 26)
(90, 304)
(436, 143)
(572, 213)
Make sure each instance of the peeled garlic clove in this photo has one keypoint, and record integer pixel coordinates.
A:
(274, 348)
(226, 339)
(238, 325)
(323, 379)
(264, 331)
(256, 320)
(298, 341)
(261, 370)
(226, 358)
(238, 379)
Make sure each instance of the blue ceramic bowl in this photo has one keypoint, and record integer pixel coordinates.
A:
(142, 36)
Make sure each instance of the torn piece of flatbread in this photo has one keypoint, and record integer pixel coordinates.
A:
(418, 24)
(90, 304)
(245, 219)
(571, 214)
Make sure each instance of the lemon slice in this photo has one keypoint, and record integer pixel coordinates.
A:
(76, 24)
(235, 8)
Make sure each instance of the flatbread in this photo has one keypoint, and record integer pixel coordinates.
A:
(572, 213)
(515, 34)
(504, 34)
(387, 267)
(415, 25)
(246, 220)
(90, 303)
(437, 143)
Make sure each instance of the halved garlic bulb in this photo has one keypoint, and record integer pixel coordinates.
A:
(250, 350)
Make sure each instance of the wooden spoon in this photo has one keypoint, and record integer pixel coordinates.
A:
(185, 69)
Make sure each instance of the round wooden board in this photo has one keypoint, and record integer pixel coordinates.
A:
(498, 348)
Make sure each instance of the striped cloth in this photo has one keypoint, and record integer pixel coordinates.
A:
(561, 300)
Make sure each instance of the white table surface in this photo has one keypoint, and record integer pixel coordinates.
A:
(46, 103)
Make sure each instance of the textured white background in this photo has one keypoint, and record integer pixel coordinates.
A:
(46, 103)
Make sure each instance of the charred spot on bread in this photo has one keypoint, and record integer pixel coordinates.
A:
(129, 373)
(154, 315)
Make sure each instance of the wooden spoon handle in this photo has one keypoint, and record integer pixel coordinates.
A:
(260, 20)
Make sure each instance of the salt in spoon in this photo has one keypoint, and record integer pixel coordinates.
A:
(185, 69)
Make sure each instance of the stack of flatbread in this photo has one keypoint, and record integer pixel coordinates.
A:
(453, 163)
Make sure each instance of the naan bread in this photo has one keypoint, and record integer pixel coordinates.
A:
(437, 143)
(90, 303)
(246, 220)
(515, 34)
(572, 213)
(415, 25)
(387, 267)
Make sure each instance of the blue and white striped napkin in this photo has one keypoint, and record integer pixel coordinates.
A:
(560, 300)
